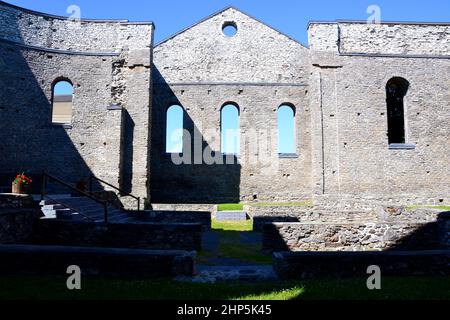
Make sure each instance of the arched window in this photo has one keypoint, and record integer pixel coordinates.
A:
(396, 90)
(229, 128)
(174, 129)
(62, 102)
(286, 130)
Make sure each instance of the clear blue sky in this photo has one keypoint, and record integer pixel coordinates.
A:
(289, 16)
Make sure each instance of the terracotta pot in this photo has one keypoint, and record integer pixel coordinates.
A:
(19, 188)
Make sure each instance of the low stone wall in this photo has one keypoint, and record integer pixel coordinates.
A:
(183, 207)
(180, 236)
(54, 260)
(301, 265)
(16, 225)
(201, 217)
(16, 201)
(401, 235)
(271, 214)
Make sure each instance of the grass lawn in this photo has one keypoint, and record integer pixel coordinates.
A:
(405, 288)
(443, 208)
(246, 225)
(233, 244)
(240, 206)
(230, 207)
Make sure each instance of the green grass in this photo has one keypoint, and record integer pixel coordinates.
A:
(246, 225)
(230, 246)
(443, 208)
(280, 295)
(402, 288)
(240, 206)
(230, 207)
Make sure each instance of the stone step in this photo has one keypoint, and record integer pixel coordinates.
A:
(213, 274)
(231, 216)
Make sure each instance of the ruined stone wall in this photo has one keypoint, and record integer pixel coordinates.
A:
(202, 69)
(383, 38)
(351, 154)
(108, 69)
(408, 230)
(31, 28)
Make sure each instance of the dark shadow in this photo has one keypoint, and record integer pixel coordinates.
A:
(126, 157)
(187, 183)
(431, 236)
(423, 251)
(29, 142)
(396, 90)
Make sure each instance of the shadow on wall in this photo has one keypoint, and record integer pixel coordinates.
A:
(429, 236)
(187, 183)
(126, 169)
(28, 141)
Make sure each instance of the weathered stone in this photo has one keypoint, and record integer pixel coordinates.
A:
(343, 161)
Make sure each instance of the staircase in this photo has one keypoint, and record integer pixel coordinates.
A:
(81, 209)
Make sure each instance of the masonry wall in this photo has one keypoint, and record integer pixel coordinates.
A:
(352, 156)
(108, 70)
(258, 69)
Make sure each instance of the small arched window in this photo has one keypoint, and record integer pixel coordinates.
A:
(229, 127)
(286, 130)
(396, 90)
(174, 129)
(62, 102)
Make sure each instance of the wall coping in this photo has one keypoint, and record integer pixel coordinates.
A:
(52, 16)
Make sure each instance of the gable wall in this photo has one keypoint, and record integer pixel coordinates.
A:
(259, 69)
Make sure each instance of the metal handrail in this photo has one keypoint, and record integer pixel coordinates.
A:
(69, 207)
(124, 193)
(46, 175)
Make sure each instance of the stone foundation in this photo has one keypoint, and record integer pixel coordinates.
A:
(175, 236)
(180, 216)
(54, 260)
(405, 232)
(301, 265)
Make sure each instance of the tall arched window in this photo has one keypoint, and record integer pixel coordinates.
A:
(62, 102)
(396, 90)
(229, 127)
(286, 130)
(174, 129)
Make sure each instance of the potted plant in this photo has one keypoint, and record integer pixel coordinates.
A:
(21, 184)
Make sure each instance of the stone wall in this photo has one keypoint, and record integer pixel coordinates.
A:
(201, 69)
(46, 31)
(170, 236)
(17, 225)
(121, 96)
(108, 64)
(304, 265)
(388, 38)
(198, 217)
(351, 154)
(54, 260)
(403, 232)
(18, 215)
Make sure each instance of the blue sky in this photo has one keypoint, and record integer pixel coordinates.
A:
(63, 88)
(289, 16)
